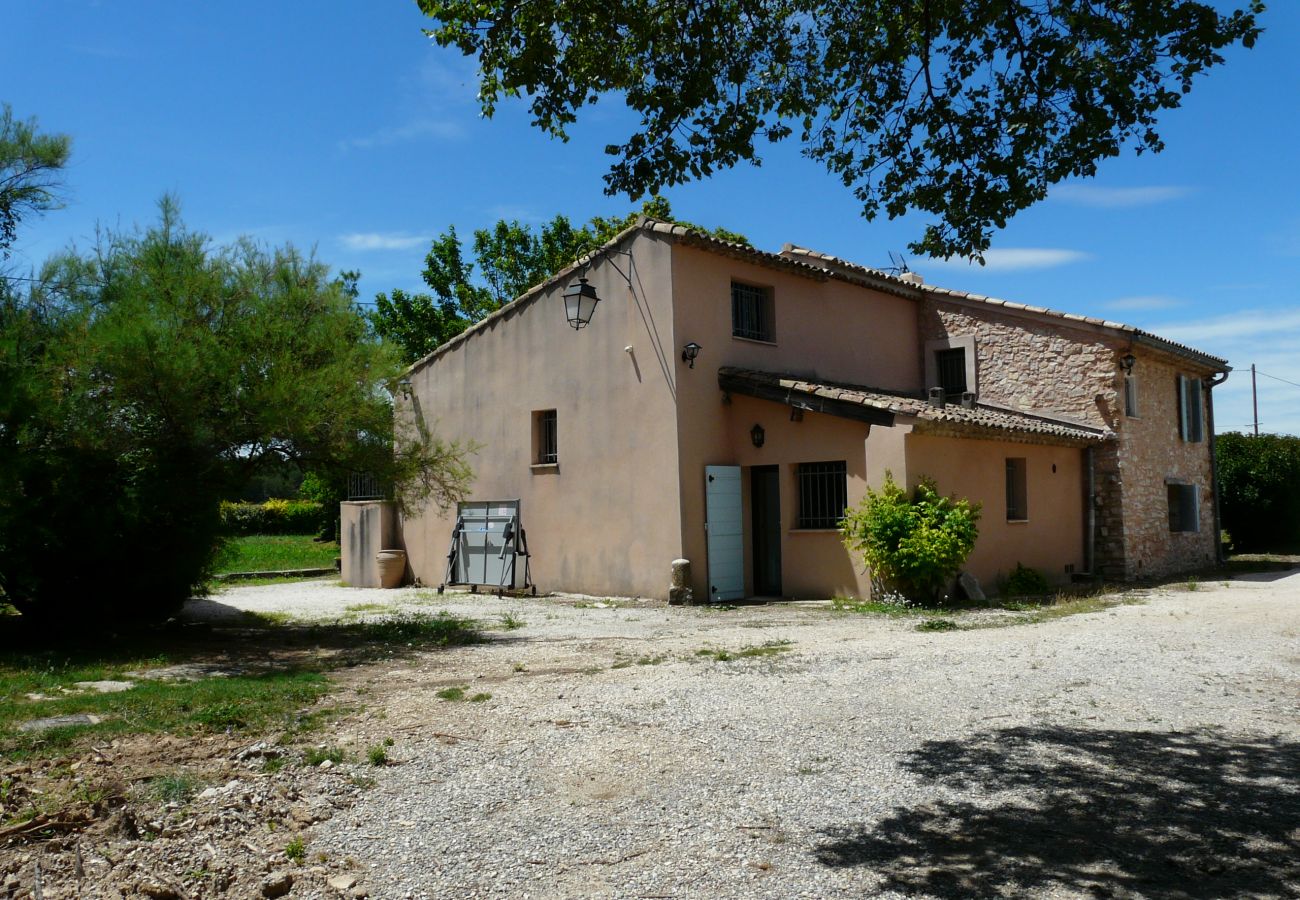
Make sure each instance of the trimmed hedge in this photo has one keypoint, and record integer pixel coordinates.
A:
(272, 517)
(1259, 477)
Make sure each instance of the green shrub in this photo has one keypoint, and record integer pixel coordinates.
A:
(1026, 582)
(272, 517)
(912, 545)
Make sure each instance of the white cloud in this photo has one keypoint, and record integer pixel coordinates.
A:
(1265, 337)
(1017, 259)
(1117, 198)
(374, 240)
(1262, 324)
(1144, 302)
(422, 129)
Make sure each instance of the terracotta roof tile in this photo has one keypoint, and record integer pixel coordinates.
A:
(976, 421)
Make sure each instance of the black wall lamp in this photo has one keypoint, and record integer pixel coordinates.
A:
(689, 352)
(757, 435)
(1126, 363)
(580, 297)
(579, 303)
(405, 387)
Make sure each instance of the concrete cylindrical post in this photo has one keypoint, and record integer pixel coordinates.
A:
(679, 590)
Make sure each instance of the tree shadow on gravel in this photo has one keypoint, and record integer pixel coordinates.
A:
(1109, 813)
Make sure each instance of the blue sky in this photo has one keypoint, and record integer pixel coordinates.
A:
(339, 126)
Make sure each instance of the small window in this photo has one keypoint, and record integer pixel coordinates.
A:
(1131, 396)
(1017, 490)
(1184, 508)
(951, 367)
(751, 313)
(545, 438)
(823, 494)
(1191, 425)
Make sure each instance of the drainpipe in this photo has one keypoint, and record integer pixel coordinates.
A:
(1090, 514)
(1214, 466)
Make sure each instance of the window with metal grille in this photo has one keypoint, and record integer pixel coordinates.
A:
(546, 435)
(751, 313)
(1184, 508)
(951, 367)
(1017, 490)
(823, 494)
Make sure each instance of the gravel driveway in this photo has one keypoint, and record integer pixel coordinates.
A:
(1146, 750)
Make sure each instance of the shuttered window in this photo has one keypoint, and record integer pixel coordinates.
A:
(1184, 508)
(1191, 423)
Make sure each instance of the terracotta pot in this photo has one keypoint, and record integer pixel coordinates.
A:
(392, 567)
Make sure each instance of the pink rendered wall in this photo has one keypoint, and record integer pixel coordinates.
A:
(830, 329)
(1050, 540)
(606, 519)
(814, 563)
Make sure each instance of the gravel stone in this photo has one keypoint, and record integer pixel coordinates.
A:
(1134, 751)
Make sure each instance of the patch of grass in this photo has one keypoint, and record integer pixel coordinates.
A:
(277, 676)
(269, 619)
(377, 755)
(650, 660)
(317, 755)
(1193, 583)
(296, 850)
(1062, 606)
(937, 625)
(212, 704)
(511, 622)
(366, 607)
(871, 607)
(274, 553)
(460, 694)
(177, 788)
(520, 667)
(768, 648)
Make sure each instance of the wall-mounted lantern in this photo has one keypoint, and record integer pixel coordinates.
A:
(757, 435)
(1126, 363)
(579, 303)
(689, 352)
(405, 387)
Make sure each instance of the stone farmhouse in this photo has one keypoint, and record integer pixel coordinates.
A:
(724, 405)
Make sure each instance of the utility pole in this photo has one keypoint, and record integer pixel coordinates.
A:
(1254, 398)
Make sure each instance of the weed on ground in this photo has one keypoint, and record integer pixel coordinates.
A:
(769, 648)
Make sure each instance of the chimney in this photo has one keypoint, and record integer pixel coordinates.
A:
(968, 399)
(937, 397)
(911, 278)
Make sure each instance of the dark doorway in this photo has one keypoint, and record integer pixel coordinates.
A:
(765, 506)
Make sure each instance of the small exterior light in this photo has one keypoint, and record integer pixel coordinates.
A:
(1126, 363)
(757, 435)
(579, 303)
(405, 387)
(689, 352)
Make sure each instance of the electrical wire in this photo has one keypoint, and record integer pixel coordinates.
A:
(1275, 378)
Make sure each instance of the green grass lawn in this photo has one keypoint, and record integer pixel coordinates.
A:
(276, 553)
(275, 674)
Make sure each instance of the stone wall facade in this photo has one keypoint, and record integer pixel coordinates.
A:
(1034, 363)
